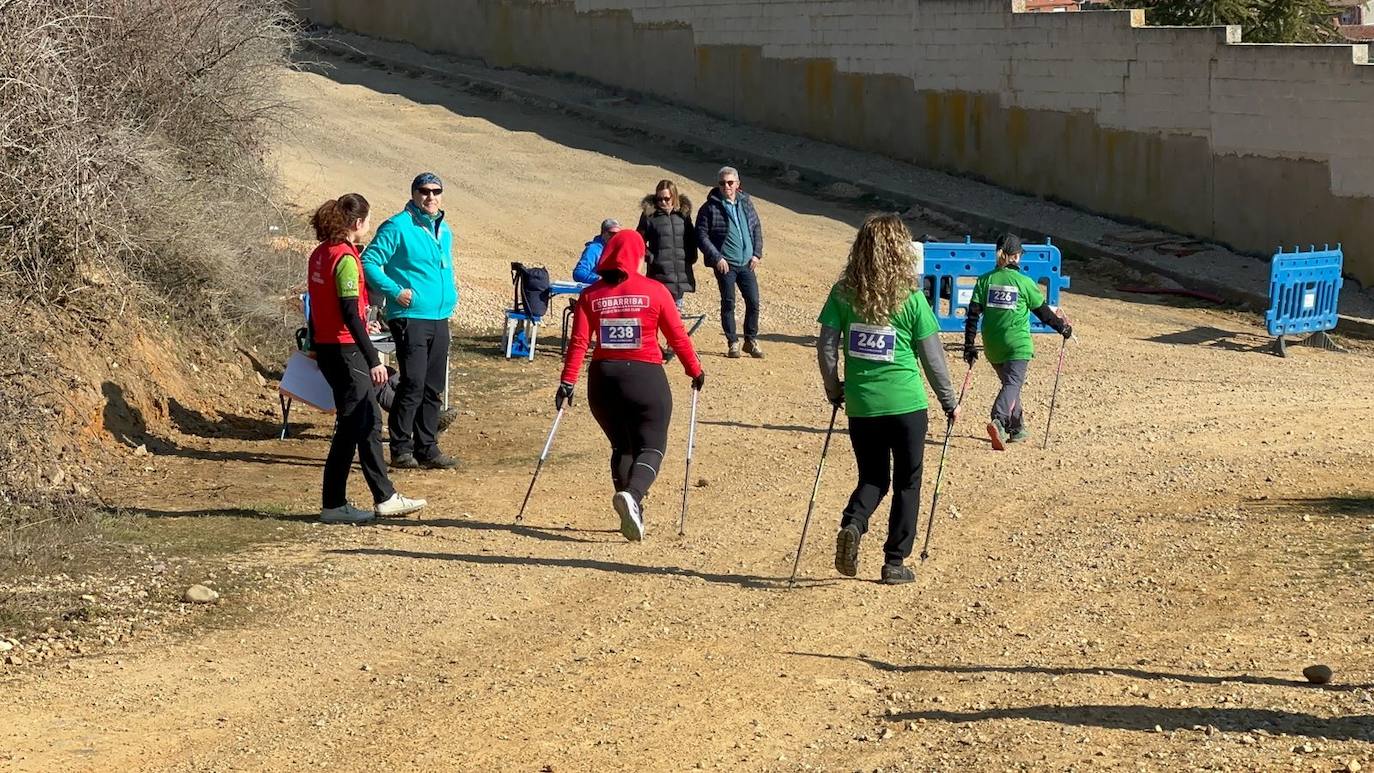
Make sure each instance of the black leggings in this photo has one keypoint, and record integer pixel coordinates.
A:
(632, 403)
(357, 425)
(888, 448)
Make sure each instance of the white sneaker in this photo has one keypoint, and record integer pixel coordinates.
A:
(631, 522)
(398, 505)
(345, 513)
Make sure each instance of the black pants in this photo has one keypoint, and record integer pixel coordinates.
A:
(748, 283)
(357, 425)
(632, 403)
(888, 450)
(421, 357)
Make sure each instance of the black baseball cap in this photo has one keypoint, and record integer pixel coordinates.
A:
(1009, 244)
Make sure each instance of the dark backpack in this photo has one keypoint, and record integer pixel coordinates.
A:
(531, 288)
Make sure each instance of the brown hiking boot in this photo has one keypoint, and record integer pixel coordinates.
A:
(751, 348)
(847, 550)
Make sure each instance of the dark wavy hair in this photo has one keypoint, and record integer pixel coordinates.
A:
(334, 217)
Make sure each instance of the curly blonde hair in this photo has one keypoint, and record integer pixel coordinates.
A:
(881, 273)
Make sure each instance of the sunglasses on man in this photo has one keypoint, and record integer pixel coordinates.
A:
(429, 191)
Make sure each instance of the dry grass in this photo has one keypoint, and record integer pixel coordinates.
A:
(133, 185)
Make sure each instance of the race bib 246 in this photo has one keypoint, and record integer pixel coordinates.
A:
(620, 333)
(870, 342)
(1003, 296)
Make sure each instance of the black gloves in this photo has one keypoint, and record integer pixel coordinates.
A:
(564, 395)
(1067, 330)
(970, 354)
(837, 399)
(699, 381)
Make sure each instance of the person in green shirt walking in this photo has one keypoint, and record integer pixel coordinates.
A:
(1004, 299)
(877, 315)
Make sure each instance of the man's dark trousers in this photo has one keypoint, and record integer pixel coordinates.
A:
(748, 283)
(421, 357)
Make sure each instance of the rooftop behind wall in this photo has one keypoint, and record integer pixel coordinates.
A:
(1252, 145)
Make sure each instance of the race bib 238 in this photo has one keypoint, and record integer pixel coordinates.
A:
(620, 333)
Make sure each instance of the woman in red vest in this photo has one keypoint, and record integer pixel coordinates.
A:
(628, 391)
(349, 362)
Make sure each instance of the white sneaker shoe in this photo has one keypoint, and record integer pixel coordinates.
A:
(398, 505)
(631, 521)
(345, 513)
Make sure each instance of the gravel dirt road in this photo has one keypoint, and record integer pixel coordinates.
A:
(1145, 593)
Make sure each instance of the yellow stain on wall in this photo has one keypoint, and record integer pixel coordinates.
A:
(819, 77)
(854, 106)
(502, 42)
(956, 115)
(981, 104)
(1017, 129)
(933, 113)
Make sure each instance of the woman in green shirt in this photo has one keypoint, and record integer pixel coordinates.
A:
(1005, 298)
(877, 315)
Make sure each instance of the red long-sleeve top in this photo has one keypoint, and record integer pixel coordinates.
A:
(626, 311)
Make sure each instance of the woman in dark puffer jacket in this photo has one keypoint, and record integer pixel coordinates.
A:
(666, 225)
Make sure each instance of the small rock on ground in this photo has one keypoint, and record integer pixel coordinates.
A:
(199, 594)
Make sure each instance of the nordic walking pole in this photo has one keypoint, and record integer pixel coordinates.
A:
(542, 456)
(687, 476)
(1055, 394)
(792, 581)
(939, 473)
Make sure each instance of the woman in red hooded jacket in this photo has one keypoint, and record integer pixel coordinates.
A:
(627, 389)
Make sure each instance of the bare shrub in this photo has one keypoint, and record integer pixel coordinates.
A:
(131, 145)
(133, 179)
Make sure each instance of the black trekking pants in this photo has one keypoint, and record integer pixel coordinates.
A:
(357, 425)
(421, 357)
(889, 450)
(633, 404)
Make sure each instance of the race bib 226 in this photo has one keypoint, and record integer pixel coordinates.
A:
(870, 342)
(1003, 296)
(620, 333)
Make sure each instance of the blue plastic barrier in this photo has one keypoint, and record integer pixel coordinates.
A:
(952, 269)
(1304, 294)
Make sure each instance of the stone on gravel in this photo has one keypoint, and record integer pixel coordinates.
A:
(199, 594)
(1317, 674)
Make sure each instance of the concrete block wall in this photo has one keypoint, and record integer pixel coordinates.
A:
(1187, 128)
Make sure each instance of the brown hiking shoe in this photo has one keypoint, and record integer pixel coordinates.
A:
(733, 351)
(751, 348)
(847, 550)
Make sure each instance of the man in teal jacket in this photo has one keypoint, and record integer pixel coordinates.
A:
(410, 262)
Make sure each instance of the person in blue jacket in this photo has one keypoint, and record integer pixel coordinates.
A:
(585, 270)
(410, 263)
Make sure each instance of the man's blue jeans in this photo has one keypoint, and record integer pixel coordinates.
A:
(748, 283)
